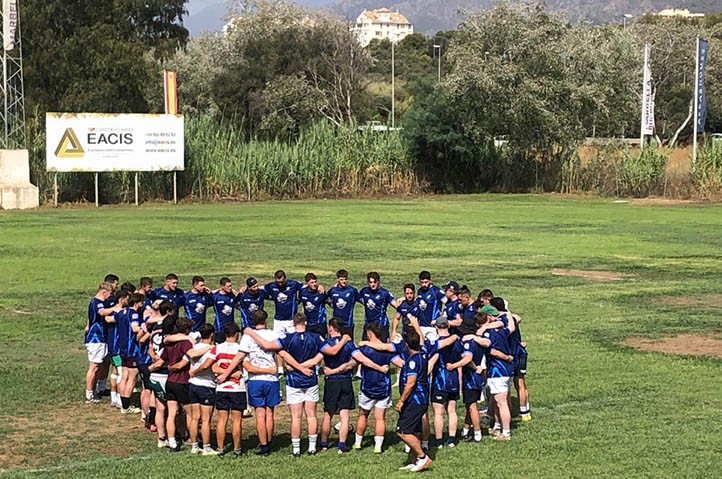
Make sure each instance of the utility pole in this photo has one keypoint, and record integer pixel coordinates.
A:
(13, 89)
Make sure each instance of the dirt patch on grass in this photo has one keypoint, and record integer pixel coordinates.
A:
(683, 344)
(601, 276)
(653, 201)
(69, 431)
(713, 300)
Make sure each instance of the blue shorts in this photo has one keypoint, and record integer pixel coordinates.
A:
(202, 395)
(230, 401)
(263, 393)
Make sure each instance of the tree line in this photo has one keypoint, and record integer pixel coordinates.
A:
(515, 75)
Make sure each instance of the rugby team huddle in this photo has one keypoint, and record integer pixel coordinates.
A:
(444, 343)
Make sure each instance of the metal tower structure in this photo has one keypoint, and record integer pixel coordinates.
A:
(12, 113)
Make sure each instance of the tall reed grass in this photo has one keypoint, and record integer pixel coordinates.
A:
(707, 171)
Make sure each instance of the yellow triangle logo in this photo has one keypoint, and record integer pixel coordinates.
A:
(69, 146)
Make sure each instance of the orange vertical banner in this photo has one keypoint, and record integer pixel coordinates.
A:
(170, 84)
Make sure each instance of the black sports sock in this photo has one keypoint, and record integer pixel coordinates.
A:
(125, 402)
(151, 416)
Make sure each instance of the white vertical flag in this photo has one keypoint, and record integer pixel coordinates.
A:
(647, 96)
(10, 23)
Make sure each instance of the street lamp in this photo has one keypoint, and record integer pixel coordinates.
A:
(439, 69)
(626, 17)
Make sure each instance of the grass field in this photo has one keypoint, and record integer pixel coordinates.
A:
(600, 410)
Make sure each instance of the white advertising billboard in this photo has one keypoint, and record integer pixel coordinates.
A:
(98, 142)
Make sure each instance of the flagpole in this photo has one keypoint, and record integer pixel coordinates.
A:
(644, 98)
(696, 105)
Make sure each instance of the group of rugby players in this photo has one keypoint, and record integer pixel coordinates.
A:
(449, 343)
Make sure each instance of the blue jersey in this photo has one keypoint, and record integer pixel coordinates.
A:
(127, 339)
(343, 300)
(143, 354)
(111, 336)
(301, 347)
(430, 303)
(196, 305)
(416, 365)
(285, 298)
(514, 337)
(224, 306)
(498, 368)
(471, 379)
(96, 323)
(406, 308)
(337, 360)
(375, 303)
(445, 380)
(375, 384)
(177, 296)
(314, 306)
(249, 303)
(468, 324)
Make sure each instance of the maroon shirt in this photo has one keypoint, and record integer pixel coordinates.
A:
(173, 353)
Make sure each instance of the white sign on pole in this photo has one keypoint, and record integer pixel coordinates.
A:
(10, 23)
(647, 97)
(114, 142)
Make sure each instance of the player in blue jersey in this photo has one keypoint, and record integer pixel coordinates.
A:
(224, 304)
(518, 349)
(146, 289)
(170, 291)
(431, 301)
(473, 363)
(465, 324)
(375, 391)
(338, 395)
(452, 306)
(128, 325)
(250, 300)
(312, 298)
(409, 306)
(375, 300)
(111, 336)
(95, 339)
(500, 370)
(445, 384)
(284, 294)
(413, 402)
(197, 301)
(342, 297)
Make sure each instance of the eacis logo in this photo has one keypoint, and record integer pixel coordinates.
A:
(69, 146)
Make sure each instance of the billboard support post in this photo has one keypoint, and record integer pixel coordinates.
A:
(55, 189)
(96, 190)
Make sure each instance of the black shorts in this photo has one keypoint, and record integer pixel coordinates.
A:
(410, 418)
(384, 334)
(177, 392)
(442, 397)
(338, 394)
(202, 395)
(472, 396)
(227, 401)
(145, 376)
(321, 329)
(520, 365)
(129, 362)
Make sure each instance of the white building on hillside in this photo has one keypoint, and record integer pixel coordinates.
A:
(380, 24)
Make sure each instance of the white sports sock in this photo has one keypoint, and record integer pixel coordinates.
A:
(465, 431)
(114, 397)
(407, 449)
(312, 439)
(88, 394)
(296, 444)
(378, 442)
(506, 432)
(424, 444)
(497, 426)
(477, 435)
(359, 440)
(172, 443)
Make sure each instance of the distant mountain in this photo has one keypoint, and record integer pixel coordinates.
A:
(431, 16)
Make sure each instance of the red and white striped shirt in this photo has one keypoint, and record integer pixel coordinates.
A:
(223, 354)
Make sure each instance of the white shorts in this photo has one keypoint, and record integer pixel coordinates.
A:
(96, 352)
(368, 404)
(283, 327)
(300, 395)
(499, 385)
(429, 333)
